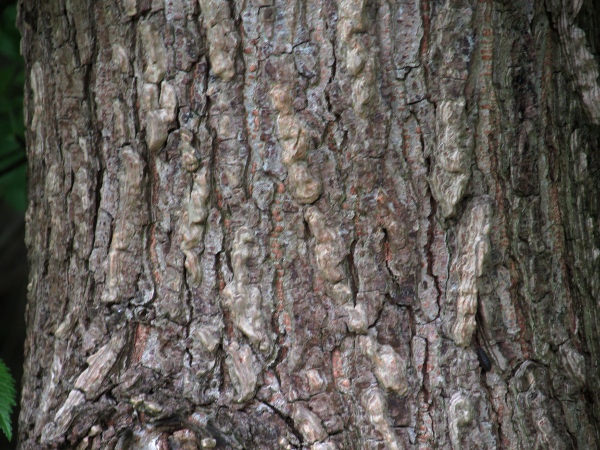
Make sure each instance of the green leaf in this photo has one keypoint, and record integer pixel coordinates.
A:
(7, 399)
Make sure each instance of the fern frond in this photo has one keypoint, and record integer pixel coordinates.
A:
(7, 399)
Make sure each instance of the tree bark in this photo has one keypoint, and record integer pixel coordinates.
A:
(312, 224)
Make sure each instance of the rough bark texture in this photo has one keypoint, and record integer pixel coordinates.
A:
(296, 224)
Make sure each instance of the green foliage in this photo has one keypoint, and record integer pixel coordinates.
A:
(7, 399)
(12, 148)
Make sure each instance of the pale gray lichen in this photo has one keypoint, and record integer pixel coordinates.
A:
(460, 414)
(245, 301)
(531, 404)
(63, 417)
(375, 405)
(168, 101)
(234, 174)
(573, 362)
(142, 404)
(226, 127)
(208, 335)
(208, 442)
(548, 435)
(295, 144)
(452, 161)
(281, 97)
(390, 369)
(357, 317)
(189, 158)
(342, 294)
(222, 37)
(120, 59)
(82, 244)
(355, 57)
(354, 50)
(65, 327)
(128, 222)
(581, 63)
(131, 181)
(120, 129)
(156, 129)
(99, 365)
(314, 380)
(474, 247)
(324, 446)
(149, 97)
(36, 80)
(197, 204)
(130, 7)
(352, 13)
(147, 439)
(154, 52)
(304, 186)
(364, 91)
(240, 365)
(328, 248)
(193, 226)
(160, 114)
(308, 423)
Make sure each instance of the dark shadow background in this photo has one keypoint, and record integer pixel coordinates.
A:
(13, 255)
(13, 290)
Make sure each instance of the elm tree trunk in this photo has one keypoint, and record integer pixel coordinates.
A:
(288, 224)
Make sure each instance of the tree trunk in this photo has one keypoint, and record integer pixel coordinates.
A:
(312, 224)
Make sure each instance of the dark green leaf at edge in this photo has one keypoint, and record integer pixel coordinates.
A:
(7, 399)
